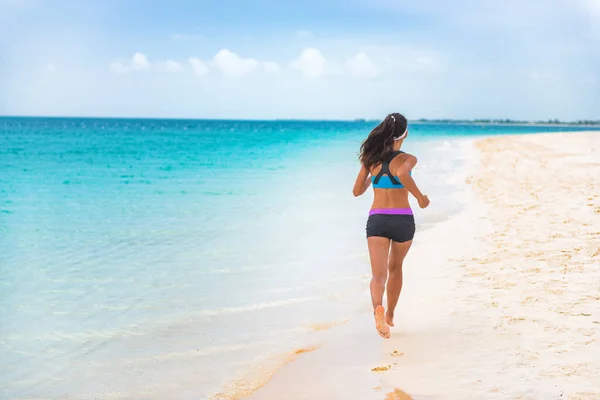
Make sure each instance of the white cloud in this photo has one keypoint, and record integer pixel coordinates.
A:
(138, 62)
(311, 63)
(233, 65)
(198, 66)
(361, 66)
(271, 67)
(172, 66)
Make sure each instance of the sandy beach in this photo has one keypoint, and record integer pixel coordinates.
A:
(501, 301)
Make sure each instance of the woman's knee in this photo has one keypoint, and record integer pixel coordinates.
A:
(379, 279)
(396, 267)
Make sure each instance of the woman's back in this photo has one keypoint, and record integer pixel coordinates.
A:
(388, 191)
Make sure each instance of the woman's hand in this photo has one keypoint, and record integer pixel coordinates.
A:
(423, 201)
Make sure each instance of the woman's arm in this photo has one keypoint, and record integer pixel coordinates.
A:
(362, 182)
(403, 173)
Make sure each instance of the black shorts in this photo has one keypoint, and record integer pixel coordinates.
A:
(399, 228)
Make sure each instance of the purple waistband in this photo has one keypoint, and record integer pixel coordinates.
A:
(393, 211)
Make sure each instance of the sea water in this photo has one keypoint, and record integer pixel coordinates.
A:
(166, 258)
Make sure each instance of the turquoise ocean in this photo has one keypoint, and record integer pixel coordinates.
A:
(166, 258)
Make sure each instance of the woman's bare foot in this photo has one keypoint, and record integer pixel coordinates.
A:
(389, 318)
(380, 324)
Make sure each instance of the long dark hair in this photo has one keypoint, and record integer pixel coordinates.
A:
(377, 147)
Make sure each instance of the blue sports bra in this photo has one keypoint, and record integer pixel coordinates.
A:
(389, 181)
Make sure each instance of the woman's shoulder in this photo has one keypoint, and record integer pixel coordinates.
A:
(409, 162)
(404, 160)
(407, 156)
(403, 156)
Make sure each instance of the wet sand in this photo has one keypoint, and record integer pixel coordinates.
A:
(501, 301)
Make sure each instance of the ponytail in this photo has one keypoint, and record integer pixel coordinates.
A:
(377, 147)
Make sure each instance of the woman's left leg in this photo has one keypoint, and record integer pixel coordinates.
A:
(394, 282)
(379, 248)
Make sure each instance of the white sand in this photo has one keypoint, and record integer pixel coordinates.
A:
(500, 302)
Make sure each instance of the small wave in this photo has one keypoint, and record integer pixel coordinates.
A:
(258, 306)
(141, 330)
(81, 337)
(198, 352)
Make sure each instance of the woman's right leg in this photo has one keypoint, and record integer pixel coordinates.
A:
(379, 249)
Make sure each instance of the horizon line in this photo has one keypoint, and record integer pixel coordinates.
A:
(415, 120)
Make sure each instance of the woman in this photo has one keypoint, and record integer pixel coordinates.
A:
(391, 225)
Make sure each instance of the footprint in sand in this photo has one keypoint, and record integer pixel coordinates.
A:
(381, 369)
(398, 394)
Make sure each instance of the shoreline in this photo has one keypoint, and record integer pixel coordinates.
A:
(481, 332)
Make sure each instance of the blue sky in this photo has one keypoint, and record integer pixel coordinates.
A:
(328, 59)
